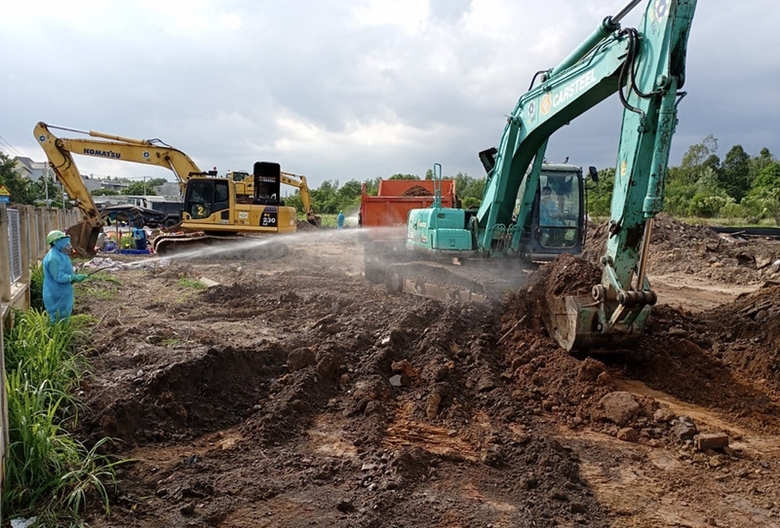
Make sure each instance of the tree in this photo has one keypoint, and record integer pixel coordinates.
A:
(156, 182)
(140, 188)
(47, 186)
(469, 190)
(698, 157)
(734, 176)
(758, 163)
(764, 198)
(600, 196)
(16, 184)
(348, 196)
(678, 192)
(325, 198)
(696, 154)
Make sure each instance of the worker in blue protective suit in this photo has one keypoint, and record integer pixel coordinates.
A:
(58, 277)
(340, 220)
(549, 214)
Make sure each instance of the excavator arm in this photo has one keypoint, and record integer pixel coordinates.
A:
(83, 236)
(649, 71)
(611, 58)
(299, 181)
(144, 151)
(60, 152)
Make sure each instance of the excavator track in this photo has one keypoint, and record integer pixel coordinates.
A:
(474, 280)
(200, 245)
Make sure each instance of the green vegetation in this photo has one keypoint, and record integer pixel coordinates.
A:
(740, 188)
(330, 197)
(98, 288)
(49, 473)
(36, 287)
(186, 282)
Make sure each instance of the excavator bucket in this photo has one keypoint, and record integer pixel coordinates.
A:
(579, 324)
(313, 219)
(83, 238)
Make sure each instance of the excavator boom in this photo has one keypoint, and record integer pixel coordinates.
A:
(299, 181)
(645, 66)
(84, 235)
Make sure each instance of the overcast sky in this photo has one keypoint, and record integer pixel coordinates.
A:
(353, 89)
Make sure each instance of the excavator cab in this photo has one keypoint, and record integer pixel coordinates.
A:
(557, 222)
(206, 196)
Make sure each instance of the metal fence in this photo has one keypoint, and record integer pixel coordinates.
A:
(14, 245)
(22, 245)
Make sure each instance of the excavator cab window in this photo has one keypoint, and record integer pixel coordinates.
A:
(559, 211)
(239, 176)
(206, 196)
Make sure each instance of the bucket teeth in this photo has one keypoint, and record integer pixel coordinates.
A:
(579, 323)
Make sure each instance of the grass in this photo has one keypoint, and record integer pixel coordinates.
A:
(98, 286)
(36, 287)
(186, 282)
(49, 473)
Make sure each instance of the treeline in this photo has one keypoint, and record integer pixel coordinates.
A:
(330, 197)
(738, 187)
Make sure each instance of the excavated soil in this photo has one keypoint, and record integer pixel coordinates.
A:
(295, 393)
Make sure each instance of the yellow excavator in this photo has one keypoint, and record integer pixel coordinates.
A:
(214, 210)
(288, 178)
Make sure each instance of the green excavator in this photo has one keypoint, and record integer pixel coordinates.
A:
(645, 66)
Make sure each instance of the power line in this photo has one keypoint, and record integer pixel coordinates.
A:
(10, 146)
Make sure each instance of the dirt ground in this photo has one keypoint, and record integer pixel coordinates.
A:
(294, 393)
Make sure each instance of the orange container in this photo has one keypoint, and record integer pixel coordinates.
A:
(397, 197)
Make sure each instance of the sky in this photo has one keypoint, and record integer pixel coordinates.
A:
(341, 90)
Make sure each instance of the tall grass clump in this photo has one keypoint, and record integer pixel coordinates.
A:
(36, 287)
(48, 472)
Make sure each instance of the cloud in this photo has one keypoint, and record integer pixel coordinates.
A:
(353, 90)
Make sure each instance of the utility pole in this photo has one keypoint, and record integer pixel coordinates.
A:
(46, 185)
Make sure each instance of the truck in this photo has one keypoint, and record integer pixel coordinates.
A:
(171, 209)
(383, 218)
(395, 198)
(645, 66)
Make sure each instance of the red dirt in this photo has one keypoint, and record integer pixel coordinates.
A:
(296, 393)
(417, 190)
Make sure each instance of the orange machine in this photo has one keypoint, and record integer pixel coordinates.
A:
(388, 210)
(396, 198)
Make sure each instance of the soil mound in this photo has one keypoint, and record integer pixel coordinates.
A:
(697, 250)
(678, 355)
(296, 393)
(745, 335)
(417, 190)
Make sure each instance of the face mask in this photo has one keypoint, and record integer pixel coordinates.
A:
(67, 249)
